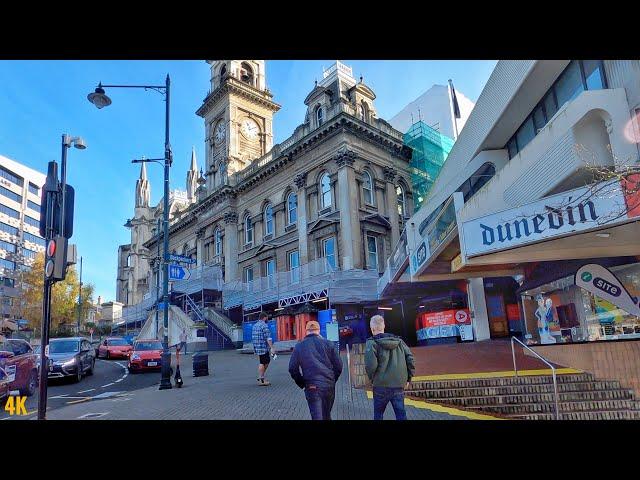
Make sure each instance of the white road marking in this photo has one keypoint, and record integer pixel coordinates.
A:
(68, 397)
(107, 385)
(92, 415)
(119, 380)
(106, 395)
(85, 391)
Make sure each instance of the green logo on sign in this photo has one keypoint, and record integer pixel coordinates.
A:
(586, 276)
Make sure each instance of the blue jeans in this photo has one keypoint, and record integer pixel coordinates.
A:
(384, 395)
(320, 400)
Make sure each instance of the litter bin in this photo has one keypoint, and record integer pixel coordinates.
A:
(200, 364)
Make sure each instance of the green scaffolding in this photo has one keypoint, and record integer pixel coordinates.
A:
(430, 150)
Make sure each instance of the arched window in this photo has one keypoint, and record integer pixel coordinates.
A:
(223, 172)
(223, 73)
(402, 206)
(268, 220)
(217, 239)
(292, 208)
(319, 115)
(367, 188)
(248, 230)
(364, 110)
(325, 191)
(246, 73)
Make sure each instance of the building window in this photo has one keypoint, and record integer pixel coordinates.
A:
(12, 177)
(372, 252)
(9, 194)
(325, 191)
(34, 189)
(33, 206)
(329, 252)
(270, 272)
(319, 115)
(222, 168)
(248, 230)
(246, 73)
(578, 76)
(8, 229)
(11, 212)
(31, 221)
(367, 188)
(7, 282)
(402, 207)
(7, 264)
(247, 274)
(294, 266)
(223, 73)
(9, 247)
(292, 208)
(29, 253)
(268, 220)
(217, 236)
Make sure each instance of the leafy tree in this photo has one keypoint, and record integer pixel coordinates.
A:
(64, 297)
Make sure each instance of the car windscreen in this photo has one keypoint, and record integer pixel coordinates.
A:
(148, 346)
(117, 343)
(64, 346)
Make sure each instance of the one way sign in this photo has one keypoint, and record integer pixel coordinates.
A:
(176, 272)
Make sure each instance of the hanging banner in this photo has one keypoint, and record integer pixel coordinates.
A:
(603, 283)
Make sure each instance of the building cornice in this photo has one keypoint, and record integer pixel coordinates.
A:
(235, 86)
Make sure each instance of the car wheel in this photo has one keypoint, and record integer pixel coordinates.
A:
(78, 376)
(93, 365)
(32, 384)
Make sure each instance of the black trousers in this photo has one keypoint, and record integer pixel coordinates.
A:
(320, 400)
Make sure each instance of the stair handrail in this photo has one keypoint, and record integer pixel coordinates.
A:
(202, 317)
(219, 321)
(553, 369)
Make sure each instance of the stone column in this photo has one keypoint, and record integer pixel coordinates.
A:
(392, 210)
(478, 309)
(199, 247)
(231, 246)
(303, 249)
(349, 214)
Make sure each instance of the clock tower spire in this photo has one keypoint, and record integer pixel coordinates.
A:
(237, 113)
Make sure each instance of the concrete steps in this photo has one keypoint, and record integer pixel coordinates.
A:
(580, 396)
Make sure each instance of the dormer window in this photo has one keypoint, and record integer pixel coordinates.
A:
(319, 115)
(246, 73)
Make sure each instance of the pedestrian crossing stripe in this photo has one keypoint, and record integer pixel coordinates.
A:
(442, 409)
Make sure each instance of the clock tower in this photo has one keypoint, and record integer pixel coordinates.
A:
(237, 113)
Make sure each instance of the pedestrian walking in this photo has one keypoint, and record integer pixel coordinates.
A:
(262, 346)
(389, 364)
(183, 341)
(315, 366)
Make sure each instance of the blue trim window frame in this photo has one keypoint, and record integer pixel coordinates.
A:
(12, 177)
(10, 229)
(11, 212)
(9, 247)
(32, 238)
(16, 197)
(592, 77)
(7, 264)
(31, 221)
(33, 206)
(34, 189)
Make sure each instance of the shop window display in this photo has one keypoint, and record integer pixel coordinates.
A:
(562, 312)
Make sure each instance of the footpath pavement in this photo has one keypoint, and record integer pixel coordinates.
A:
(231, 392)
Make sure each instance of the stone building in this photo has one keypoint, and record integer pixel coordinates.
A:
(315, 216)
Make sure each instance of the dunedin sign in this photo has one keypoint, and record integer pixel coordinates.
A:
(558, 215)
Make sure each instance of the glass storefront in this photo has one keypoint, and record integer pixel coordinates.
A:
(561, 312)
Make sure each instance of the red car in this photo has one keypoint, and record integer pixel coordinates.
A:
(114, 347)
(19, 364)
(4, 387)
(146, 355)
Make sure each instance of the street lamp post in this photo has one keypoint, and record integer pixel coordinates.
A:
(80, 298)
(100, 100)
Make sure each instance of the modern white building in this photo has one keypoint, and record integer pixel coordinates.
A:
(522, 206)
(435, 108)
(20, 191)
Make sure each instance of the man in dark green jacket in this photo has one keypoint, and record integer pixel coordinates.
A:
(390, 366)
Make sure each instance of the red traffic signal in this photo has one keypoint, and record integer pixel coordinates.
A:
(51, 248)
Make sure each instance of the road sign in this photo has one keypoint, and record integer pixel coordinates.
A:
(181, 258)
(176, 272)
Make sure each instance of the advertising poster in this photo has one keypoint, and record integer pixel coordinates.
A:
(443, 324)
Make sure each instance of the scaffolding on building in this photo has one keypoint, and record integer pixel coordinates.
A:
(430, 150)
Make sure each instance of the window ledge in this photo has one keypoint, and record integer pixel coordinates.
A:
(291, 227)
(324, 211)
(268, 237)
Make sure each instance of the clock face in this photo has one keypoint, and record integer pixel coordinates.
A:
(219, 133)
(249, 129)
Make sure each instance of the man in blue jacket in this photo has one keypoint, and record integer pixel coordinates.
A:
(315, 365)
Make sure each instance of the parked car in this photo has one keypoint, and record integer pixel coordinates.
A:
(146, 355)
(19, 364)
(36, 352)
(4, 387)
(114, 347)
(96, 346)
(71, 357)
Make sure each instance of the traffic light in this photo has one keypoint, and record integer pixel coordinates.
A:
(55, 265)
(52, 189)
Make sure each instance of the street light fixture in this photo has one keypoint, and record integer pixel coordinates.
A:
(101, 100)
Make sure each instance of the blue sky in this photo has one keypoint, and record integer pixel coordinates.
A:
(41, 100)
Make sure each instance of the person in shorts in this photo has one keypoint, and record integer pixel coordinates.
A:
(262, 346)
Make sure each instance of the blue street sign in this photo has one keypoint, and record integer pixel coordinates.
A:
(174, 257)
(161, 305)
(176, 272)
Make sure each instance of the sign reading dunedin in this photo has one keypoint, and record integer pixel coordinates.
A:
(573, 211)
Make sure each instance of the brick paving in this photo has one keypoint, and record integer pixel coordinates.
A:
(230, 392)
(472, 357)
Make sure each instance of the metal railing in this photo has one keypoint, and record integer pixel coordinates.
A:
(553, 370)
(201, 317)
